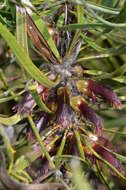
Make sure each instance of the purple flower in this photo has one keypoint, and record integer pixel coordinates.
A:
(90, 115)
(63, 113)
(107, 155)
(97, 90)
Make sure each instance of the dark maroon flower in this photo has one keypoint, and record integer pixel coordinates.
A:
(107, 155)
(63, 113)
(97, 90)
(90, 115)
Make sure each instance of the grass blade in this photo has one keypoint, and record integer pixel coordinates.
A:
(10, 120)
(24, 59)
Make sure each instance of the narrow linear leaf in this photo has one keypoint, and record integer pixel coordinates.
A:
(121, 16)
(103, 9)
(80, 13)
(114, 132)
(83, 26)
(38, 99)
(43, 149)
(102, 20)
(102, 175)
(115, 122)
(61, 148)
(25, 160)
(79, 144)
(61, 20)
(44, 31)
(97, 7)
(104, 161)
(79, 180)
(24, 59)
(118, 156)
(10, 120)
(80, 19)
(9, 149)
(6, 99)
(21, 30)
(91, 43)
(5, 83)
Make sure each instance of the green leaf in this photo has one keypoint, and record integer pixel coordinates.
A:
(79, 144)
(121, 79)
(42, 146)
(103, 9)
(79, 179)
(24, 59)
(80, 13)
(60, 20)
(6, 99)
(121, 17)
(38, 99)
(115, 122)
(108, 2)
(76, 26)
(105, 161)
(62, 145)
(21, 30)
(10, 120)
(8, 147)
(31, 155)
(91, 43)
(44, 31)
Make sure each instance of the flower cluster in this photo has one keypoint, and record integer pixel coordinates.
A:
(68, 117)
(63, 117)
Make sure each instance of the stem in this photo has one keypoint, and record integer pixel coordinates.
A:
(43, 149)
(79, 144)
(61, 148)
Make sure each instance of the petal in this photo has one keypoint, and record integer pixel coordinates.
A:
(63, 113)
(95, 89)
(108, 156)
(90, 115)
